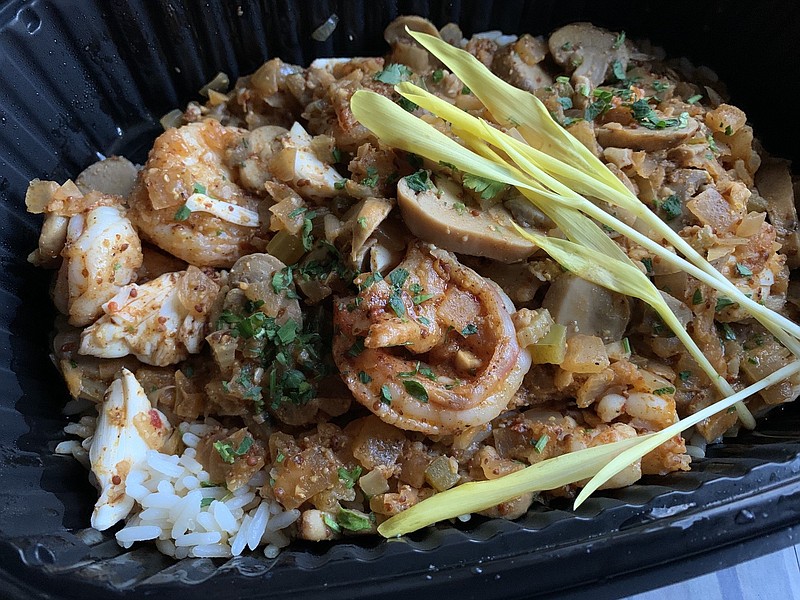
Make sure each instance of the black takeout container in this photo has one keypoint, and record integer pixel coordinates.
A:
(84, 79)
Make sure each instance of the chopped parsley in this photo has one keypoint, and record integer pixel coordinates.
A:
(660, 86)
(357, 348)
(386, 394)
(437, 76)
(664, 390)
(712, 143)
(459, 207)
(371, 279)
(393, 74)
(419, 369)
(618, 41)
(648, 265)
(649, 118)
(671, 207)
(407, 104)
(469, 329)
(599, 106)
(684, 375)
(371, 180)
(308, 225)
(465, 91)
(728, 130)
(414, 160)
(228, 454)
(183, 213)
(697, 297)
(204, 502)
(416, 390)
(363, 377)
(199, 188)
(397, 306)
(723, 303)
(362, 222)
(419, 181)
(336, 154)
(291, 357)
(487, 188)
(619, 70)
(565, 102)
(331, 523)
(540, 444)
(743, 270)
(398, 277)
(349, 478)
(727, 331)
(353, 521)
(339, 185)
(282, 281)
(694, 99)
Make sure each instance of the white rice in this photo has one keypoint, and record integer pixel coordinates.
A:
(186, 519)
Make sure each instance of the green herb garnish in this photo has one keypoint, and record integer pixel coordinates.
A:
(349, 478)
(393, 74)
(487, 188)
(183, 213)
(416, 389)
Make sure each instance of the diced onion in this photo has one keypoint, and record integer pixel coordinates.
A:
(172, 119)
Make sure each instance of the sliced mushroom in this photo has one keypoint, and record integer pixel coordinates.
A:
(367, 215)
(396, 30)
(260, 144)
(587, 309)
(441, 216)
(254, 275)
(641, 138)
(774, 183)
(518, 63)
(589, 51)
(405, 49)
(114, 176)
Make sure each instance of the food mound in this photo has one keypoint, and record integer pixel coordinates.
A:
(286, 325)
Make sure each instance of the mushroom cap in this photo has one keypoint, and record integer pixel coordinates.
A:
(440, 216)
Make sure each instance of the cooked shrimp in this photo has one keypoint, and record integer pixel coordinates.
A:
(187, 201)
(102, 253)
(161, 322)
(128, 426)
(432, 347)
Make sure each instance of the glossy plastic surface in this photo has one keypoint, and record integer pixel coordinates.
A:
(83, 79)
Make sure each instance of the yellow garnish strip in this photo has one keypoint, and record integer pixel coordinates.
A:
(600, 462)
(398, 128)
(532, 163)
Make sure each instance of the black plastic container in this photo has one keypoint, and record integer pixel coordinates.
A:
(83, 79)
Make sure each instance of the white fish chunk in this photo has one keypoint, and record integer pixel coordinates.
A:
(161, 322)
(128, 426)
(102, 254)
